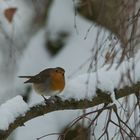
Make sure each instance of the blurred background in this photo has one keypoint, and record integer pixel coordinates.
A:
(80, 36)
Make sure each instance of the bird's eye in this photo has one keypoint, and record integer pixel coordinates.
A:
(56, 70)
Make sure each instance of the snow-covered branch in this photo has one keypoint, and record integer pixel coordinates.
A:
(15, 112)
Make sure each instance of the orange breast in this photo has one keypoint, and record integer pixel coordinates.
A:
(58, 82)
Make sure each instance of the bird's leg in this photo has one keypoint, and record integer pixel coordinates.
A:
(46, 100)
(44, 97)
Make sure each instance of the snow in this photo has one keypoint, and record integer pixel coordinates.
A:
(46, 124)
(10, 110)
(20, 19)
(85, 85)
(76, 50)
(80, 87)
(13, 39)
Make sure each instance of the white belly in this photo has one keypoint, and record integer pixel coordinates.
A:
(42, 90)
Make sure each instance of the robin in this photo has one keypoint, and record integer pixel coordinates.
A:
(48, 82)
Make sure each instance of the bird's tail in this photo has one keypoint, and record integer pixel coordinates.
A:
(25, 76)
(29, 77)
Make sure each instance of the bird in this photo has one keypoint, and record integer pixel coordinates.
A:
(48, 82)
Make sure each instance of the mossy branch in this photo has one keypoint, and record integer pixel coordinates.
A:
(41, 109)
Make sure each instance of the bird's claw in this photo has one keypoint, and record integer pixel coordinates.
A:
(55, 98)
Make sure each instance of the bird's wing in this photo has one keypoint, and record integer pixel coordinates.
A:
(34, 79)
(39, 78)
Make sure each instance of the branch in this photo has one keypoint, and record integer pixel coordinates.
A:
(41, 109)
